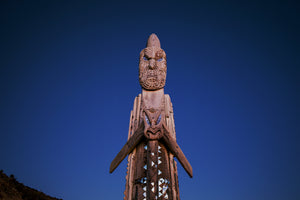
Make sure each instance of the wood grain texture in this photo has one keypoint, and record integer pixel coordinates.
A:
(176, 150)
(127, 148)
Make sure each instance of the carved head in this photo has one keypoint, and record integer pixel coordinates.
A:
(152, 65)
(153, 121)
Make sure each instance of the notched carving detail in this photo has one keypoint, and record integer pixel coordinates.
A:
(153, 124)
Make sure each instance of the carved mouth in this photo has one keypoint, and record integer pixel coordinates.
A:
(152, 79)
(153, 132)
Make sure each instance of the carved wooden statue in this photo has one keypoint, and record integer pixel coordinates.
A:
(151, 145)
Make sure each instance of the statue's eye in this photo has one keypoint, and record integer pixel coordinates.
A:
(147, 120)
(160, 59)
(145, 58)
(158, 120)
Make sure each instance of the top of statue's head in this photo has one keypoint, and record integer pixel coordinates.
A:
(153, 41)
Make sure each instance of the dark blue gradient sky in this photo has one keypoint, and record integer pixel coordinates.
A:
(69, 75)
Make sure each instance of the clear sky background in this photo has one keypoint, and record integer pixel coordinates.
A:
(69, 75)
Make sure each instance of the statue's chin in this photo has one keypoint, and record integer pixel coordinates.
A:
(152, 83)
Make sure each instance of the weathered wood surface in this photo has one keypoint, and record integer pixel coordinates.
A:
(142, 152)
(169, 122)
(130, 161)
(176, 150)
(127, 148)
(133, 155)
(152, 186)
(151, 145)
(134, 117)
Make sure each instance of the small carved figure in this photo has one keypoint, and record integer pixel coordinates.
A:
(151, 145)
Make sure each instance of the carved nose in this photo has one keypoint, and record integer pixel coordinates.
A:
(152, 64)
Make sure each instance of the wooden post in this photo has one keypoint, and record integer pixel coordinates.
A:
(151, 145)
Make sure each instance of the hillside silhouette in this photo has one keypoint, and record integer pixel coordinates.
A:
(11, 189)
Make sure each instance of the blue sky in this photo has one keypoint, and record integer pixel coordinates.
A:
(69, 75)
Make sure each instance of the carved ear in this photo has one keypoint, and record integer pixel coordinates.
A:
(142, 53)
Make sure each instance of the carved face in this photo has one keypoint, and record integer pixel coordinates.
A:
(153, 120)
(152, 68)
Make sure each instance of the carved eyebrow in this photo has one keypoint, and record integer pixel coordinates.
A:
(148, 55)
(147, 50)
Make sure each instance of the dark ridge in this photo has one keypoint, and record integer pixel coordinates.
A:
(11, 189)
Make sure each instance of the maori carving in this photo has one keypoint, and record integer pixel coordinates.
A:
(152, 145)
(152, 66)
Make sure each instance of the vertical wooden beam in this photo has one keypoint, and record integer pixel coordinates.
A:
(131, 156)
(152, 157)
(138, 110)
(129, 164)
(171, 127)
(138, 192)
(172, 174)
(176, 181)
